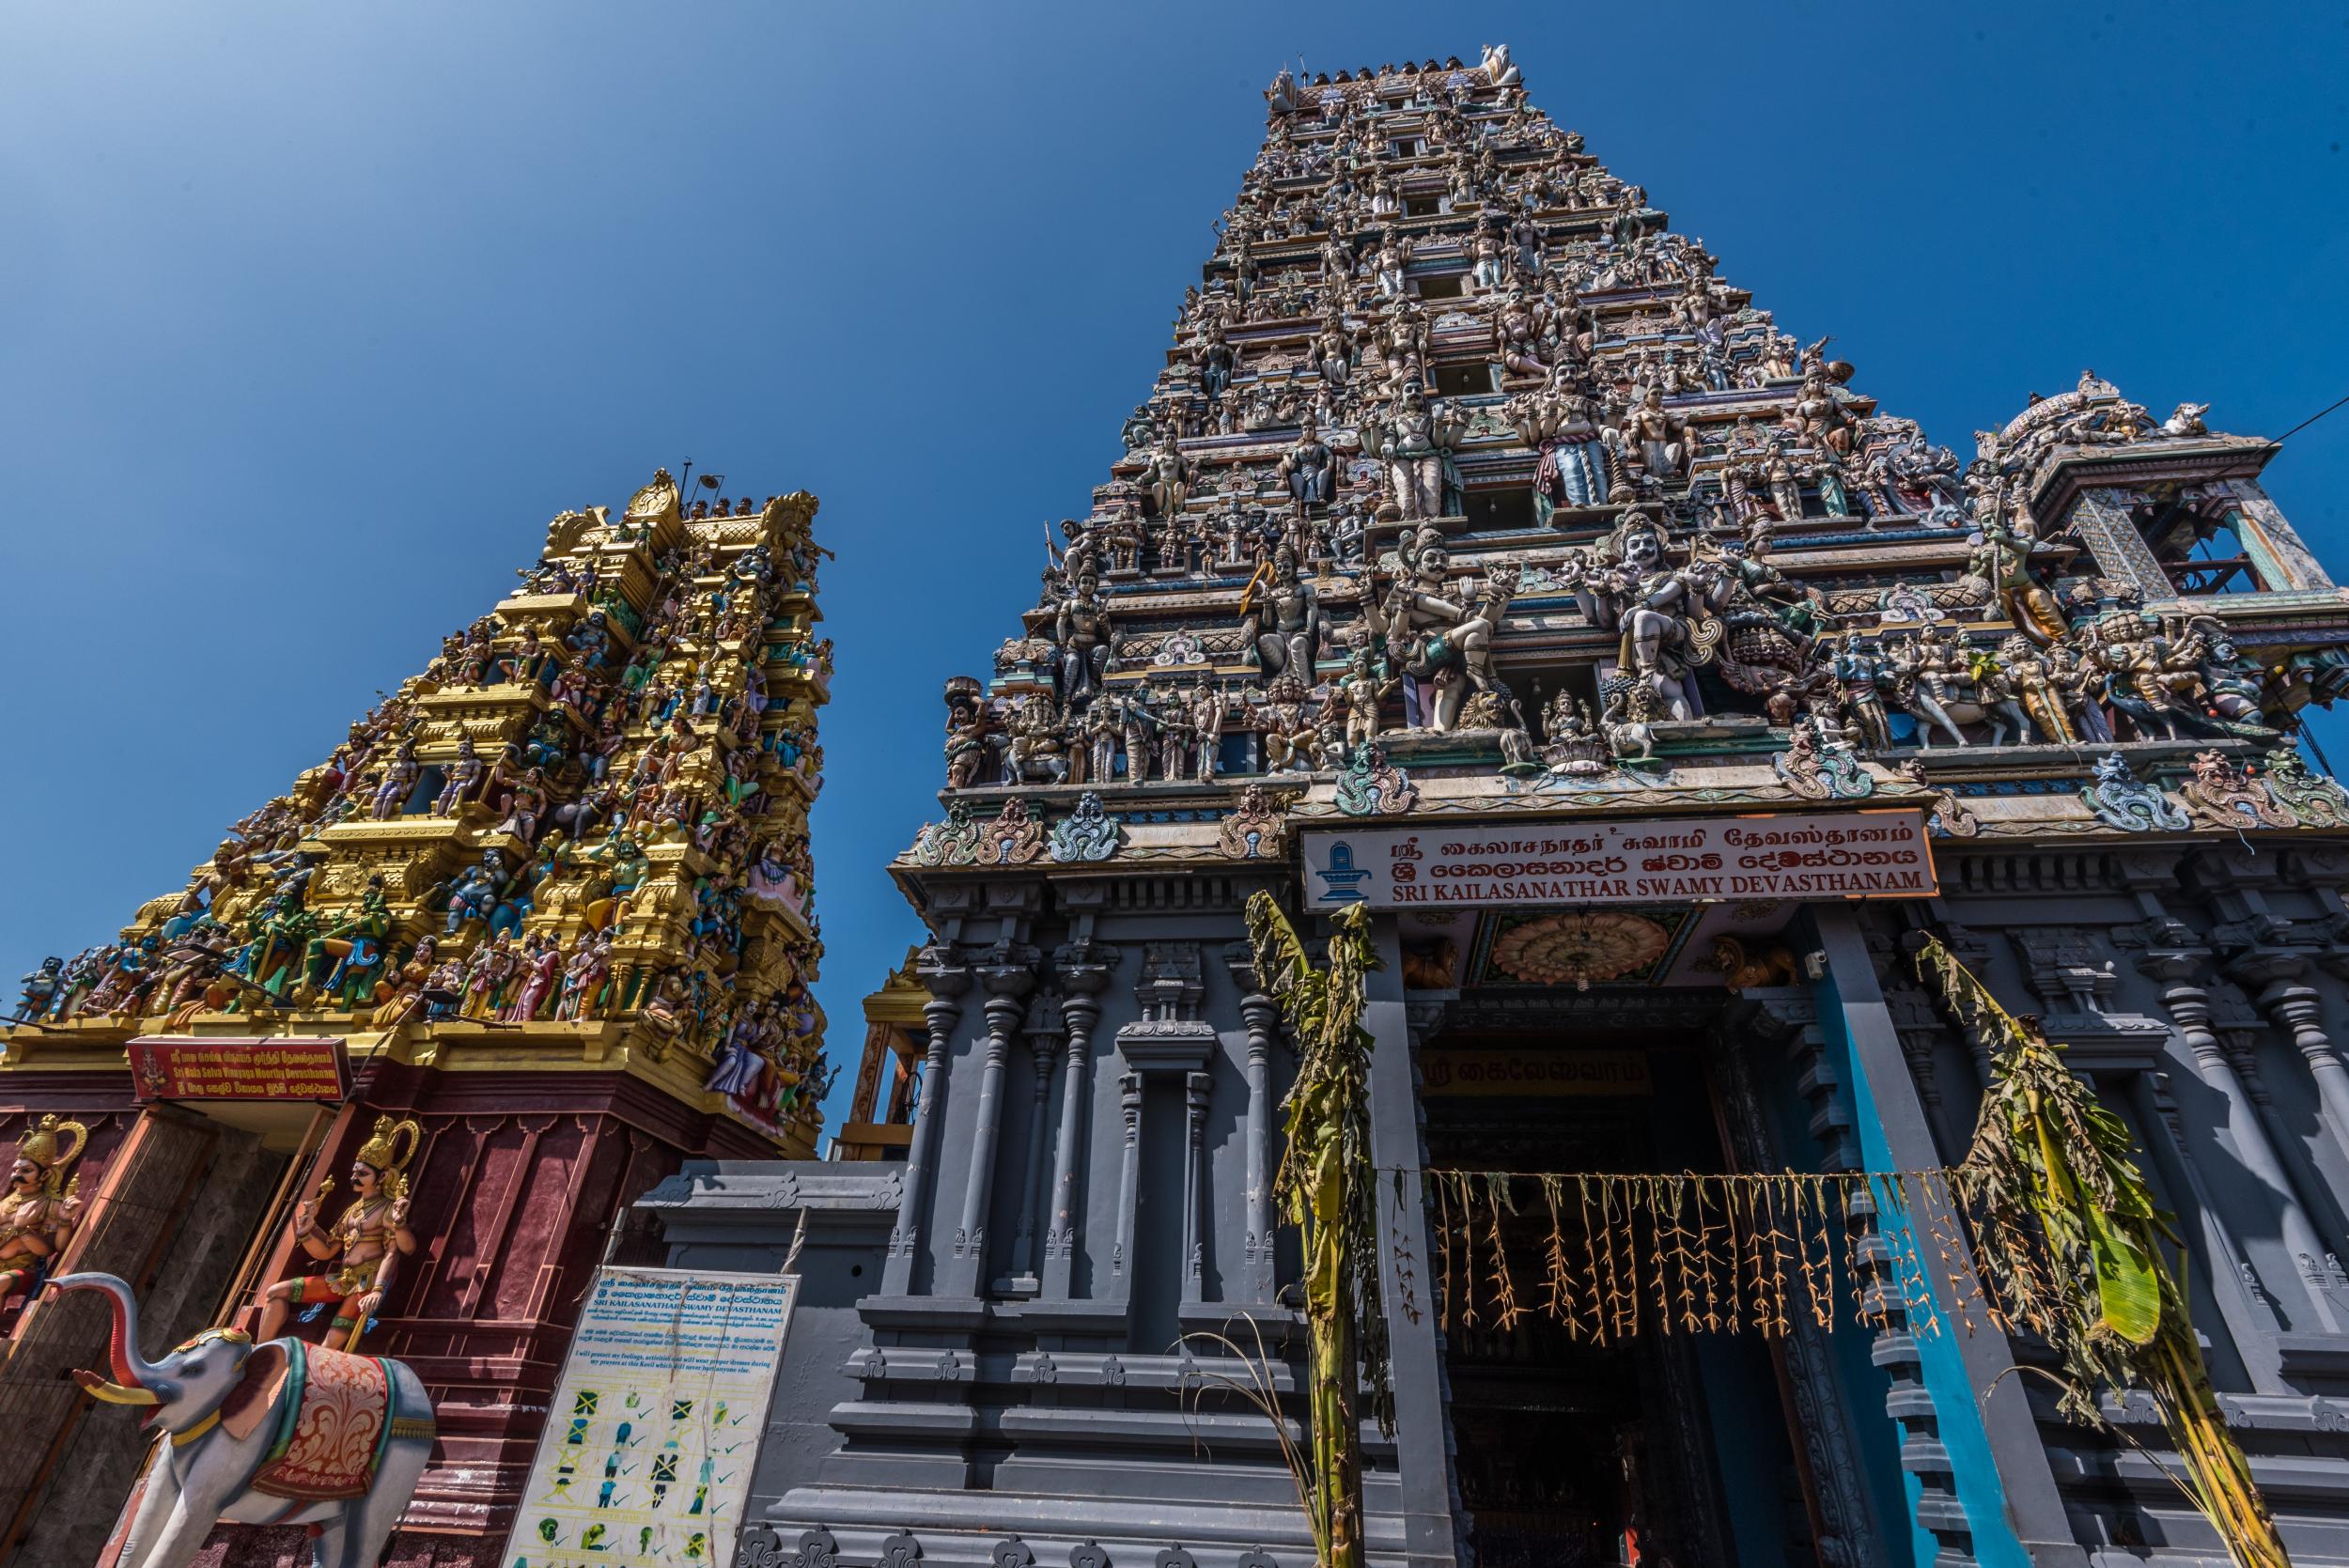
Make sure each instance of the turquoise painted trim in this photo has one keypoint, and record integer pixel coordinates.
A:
(1974, 1469)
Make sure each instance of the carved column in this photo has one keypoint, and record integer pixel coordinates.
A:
(2100, 518)
(2297, 1009)
(945, 980)
(1261, 1017)
(1082, 974)
(1007, 977)
(1129, 1173)
(1044, 1031)
(2188, 1007)
(2235, 1284)
(2283, 558)
(1825, 1450)
(1195, 1088)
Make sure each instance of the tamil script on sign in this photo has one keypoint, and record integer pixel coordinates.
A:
(1850, 854)
(169, 1068)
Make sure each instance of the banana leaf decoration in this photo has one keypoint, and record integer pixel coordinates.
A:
(2071, 1244)
(1328, 1187)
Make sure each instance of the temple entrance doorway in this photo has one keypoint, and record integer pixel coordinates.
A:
(1652, 1448)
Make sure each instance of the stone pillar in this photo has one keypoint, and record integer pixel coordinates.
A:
(1261, 1017)
(1195, 1220)
(1044, 1033)
(1129, 1176)
(2234, 1286)
(1083, 975)
(945, 980)
(2276, 978)
(2272, 544)
(1422, 1437)
(1007, 978)
(1989, 1445)
(2100, 517)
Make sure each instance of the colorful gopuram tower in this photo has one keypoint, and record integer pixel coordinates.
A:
(1485, 559)
(538, 931)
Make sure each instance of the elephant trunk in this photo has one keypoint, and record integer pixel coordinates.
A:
(134, 1374)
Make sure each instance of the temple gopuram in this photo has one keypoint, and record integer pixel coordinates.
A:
(1720, 779)
(538, 932)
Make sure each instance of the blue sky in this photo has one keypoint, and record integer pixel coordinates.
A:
(317, 314)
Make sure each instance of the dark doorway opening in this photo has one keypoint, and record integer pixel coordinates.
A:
(1660, 1448)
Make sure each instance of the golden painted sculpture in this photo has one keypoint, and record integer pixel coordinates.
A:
(38, 1216)
(368, 1241)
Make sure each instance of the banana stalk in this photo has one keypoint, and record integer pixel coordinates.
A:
(1328, 1188)
(2070, 1240)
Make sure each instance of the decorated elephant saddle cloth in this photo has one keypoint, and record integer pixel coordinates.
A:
(330, 1412)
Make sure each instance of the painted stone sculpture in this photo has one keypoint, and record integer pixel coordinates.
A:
(281, 1432)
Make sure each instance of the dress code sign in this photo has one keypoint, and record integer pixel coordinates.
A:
(1851, 854)
(238, 1069)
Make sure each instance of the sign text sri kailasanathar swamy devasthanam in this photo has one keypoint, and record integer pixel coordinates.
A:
(1851, 854)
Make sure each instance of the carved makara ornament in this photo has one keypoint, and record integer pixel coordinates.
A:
(2222, 794)
(2121, 800)
(1257, 830)
(1014, 838)
(1088, 833)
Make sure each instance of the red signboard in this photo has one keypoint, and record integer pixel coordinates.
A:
(165, 1068)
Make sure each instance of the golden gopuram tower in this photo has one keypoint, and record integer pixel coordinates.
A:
(536, 932)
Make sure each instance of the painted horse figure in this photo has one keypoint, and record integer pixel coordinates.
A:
(279, 1434)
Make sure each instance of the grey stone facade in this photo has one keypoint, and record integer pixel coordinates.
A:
(945, 1392)
(1314, 641)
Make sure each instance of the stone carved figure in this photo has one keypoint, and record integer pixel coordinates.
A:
(1666, 615)
(1415, 442)
(1282, 625)
(1440, 643)
(1080, 640)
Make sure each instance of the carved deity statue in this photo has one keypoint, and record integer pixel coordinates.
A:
(1305, 468)
(1080, 640)
(1281, 619)
(1443, 644)
(2005, 560)
(38, 1214)
(365, 1244)
(1666, 615)
(1658, 436)
(1415, 441)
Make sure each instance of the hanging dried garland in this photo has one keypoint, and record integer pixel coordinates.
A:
(2047, 1227)
(1705, 1254)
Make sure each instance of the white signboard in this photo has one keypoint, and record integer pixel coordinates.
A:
(655, 1425)
(1844, 854)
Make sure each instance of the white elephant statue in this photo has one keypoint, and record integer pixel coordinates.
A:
(284, 1432)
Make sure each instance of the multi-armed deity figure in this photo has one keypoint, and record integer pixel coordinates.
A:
(365, 1245)
(38, 1216)
(1443, 645)
(1665, 615)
